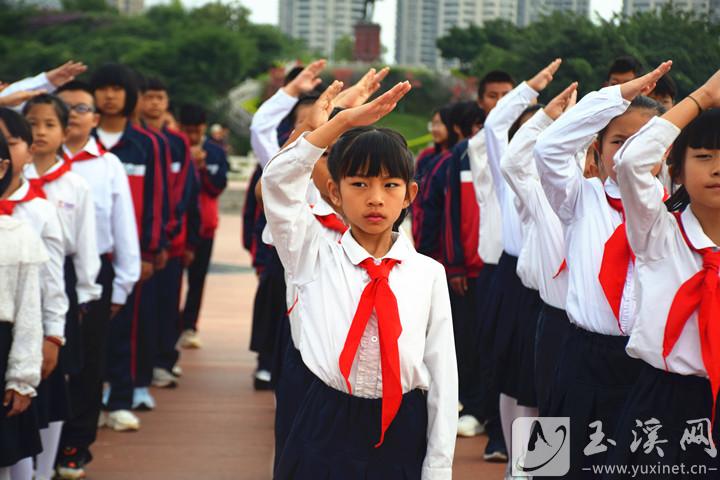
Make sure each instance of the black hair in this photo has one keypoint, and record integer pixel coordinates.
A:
(308, 98)
(154, 84)
(446, 118)
(292, 74)
(5, 155)
(495, 76)
(641, 102)
(61, 110)
(16, 125)
(192, 114)
(625, 63)
(666, 86)
(117, 75)
(76, 85)
(465, 115)
(526, 115)
(703, 132)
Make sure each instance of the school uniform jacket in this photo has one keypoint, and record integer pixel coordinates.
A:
(429, 205)
(169, 221)
(582, 206)
(116, 230)
(72, 198)
(329, 282)
(140, 156)
(664, 259)
(42, 217)
(213, 180)
(251, 213)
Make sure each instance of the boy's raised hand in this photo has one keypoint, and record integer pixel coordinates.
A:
(370, 113)
(362, 90)
(306, 80)
(66, 72)
(562, 101)
(544, 76)
(645, 84)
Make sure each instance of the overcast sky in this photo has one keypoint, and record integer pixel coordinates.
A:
(266, 11)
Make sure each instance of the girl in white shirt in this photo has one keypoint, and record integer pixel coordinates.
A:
(676, 334)
(375, 323)
(20, 326)
(594, 373)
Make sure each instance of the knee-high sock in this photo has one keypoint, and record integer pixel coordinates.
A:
(23, 470)
(45, 468)
(507, 409)
(5, 473)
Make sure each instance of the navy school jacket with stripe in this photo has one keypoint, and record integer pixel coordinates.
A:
(429, 205)
(184, 188)
(213, 180)
(462, 217)
(139, 153)
(251, 212)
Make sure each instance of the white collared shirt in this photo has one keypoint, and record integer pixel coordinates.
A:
(38, 82)
(71, 196)
(543, 249)
(116, 230)
(21, 257)
(582, 206)
(42, 217)
(496, 128)
(329, 283)
(263, 128)
(664, 261)
(490, 246)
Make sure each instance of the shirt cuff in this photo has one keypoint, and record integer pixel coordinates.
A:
(431, 473)
(307, 153)
(119, 295)
(54, 329)
(285, 97)
(21, 388)
(89, 294)
(542, 119)
(662, 131)
(526, 92)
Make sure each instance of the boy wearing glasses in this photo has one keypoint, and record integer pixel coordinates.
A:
(120, 256)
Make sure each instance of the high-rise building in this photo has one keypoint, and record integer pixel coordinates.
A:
(128, 7)
(530, 10)
(701, 7)
(320, 22)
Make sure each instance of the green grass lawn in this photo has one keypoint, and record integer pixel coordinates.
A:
(412, 127)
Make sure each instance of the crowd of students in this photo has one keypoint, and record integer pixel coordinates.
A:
(555, 260)
(105, 201)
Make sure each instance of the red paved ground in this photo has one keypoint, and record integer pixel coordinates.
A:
(214, 426)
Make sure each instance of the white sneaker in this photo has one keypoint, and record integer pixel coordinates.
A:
(142, 400)
(123, 421)
(102, 420)
(190, 339)
(163, 379)
(177, 371)
(469, 426)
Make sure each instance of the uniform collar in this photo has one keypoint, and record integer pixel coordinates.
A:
(90, 147)
(31, 172)
(695, 234)
(611, 188)
(20, 193)
(322, 208)
(401, 248)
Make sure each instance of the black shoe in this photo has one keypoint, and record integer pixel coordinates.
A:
(262, 385)
(70, 464)
(495, 451)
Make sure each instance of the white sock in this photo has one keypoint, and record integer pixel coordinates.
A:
(507, 409)
(5, 473)
(45, 462)
(22, 470)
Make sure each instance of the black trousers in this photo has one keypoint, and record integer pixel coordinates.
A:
(169, 284)
(86, 384)
(197, 271)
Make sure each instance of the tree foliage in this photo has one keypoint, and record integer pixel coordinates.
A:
(588, 48)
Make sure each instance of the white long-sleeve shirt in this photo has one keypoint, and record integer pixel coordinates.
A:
(664, 260)
(42, 217)
(543, 249)
(71, 196)
(490, 246)
(496, 128)
(263, 128)
(583, 208)
(21, 257)
(38, 82)
(329, 281)
(116, 230)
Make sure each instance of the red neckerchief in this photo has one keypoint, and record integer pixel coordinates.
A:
(378, 296)
(700, 293)
(39, 183)
(332, 222)
(8, 206)
(83, 155)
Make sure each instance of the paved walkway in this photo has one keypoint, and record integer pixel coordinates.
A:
(214, 426)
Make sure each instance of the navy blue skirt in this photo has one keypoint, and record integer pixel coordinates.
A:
(552, 332)
(673, 400)
(333, 438)
(269, 309)
(19, 437)
(515, 330)
(592, 382)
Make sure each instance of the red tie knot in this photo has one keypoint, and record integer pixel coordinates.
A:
(381, 271)
(711, 261)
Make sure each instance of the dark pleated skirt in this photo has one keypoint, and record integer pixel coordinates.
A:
(673, 400)
(515, 330)
(269, 307)
(19, 437)
(552, 332)
(283, 341)
(52, 403)
(592, 382)
(72, 353)
(333, 438)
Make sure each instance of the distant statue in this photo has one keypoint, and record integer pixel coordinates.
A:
(369, 11)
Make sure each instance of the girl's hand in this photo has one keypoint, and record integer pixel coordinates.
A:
(544, 76)
(362, 90)
(17, 403)
(50, 353)
(645, 84)
(562, 102)
(372, 112)
(306, 80)
(323, 107)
